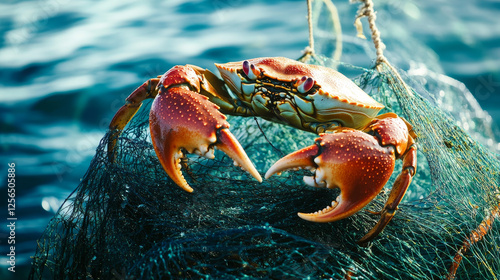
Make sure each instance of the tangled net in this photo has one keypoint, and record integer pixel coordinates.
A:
(128, 220)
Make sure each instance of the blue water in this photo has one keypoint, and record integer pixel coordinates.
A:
(66, 67)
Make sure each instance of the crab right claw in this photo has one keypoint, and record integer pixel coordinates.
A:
(182, 120)
(348, 159)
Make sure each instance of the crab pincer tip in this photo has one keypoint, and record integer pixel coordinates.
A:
(299, 159)
(171, 164)
(227, 143)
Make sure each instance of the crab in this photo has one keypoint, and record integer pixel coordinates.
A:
(356, 149)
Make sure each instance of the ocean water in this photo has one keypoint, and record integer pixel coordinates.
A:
(66, 67)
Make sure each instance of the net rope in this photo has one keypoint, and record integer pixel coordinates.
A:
(128, 220)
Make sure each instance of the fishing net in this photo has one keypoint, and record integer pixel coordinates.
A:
(128, 220)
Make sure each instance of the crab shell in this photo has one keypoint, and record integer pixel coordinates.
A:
(335, 98)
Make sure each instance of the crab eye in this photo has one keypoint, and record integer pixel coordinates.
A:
(246, 67)
(305, 84)
(250, 70)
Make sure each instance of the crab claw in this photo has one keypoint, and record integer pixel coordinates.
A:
(183, 120)
(348, 159)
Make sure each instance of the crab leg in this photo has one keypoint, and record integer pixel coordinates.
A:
(397, 193)
(127, 111)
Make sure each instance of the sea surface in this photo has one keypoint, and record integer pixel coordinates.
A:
(66, 67)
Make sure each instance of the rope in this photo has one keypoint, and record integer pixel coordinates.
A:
(310, 49)
(366, 10)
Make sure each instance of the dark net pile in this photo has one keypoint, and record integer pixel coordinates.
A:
(127, 220)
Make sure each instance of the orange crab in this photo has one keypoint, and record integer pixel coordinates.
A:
(355, 152)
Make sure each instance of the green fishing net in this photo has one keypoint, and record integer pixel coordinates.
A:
(128, 220)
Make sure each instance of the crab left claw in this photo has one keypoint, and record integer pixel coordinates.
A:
(183, 120)
(359, 164)
(195, 126)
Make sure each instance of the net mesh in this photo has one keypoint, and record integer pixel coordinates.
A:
(128, 220)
